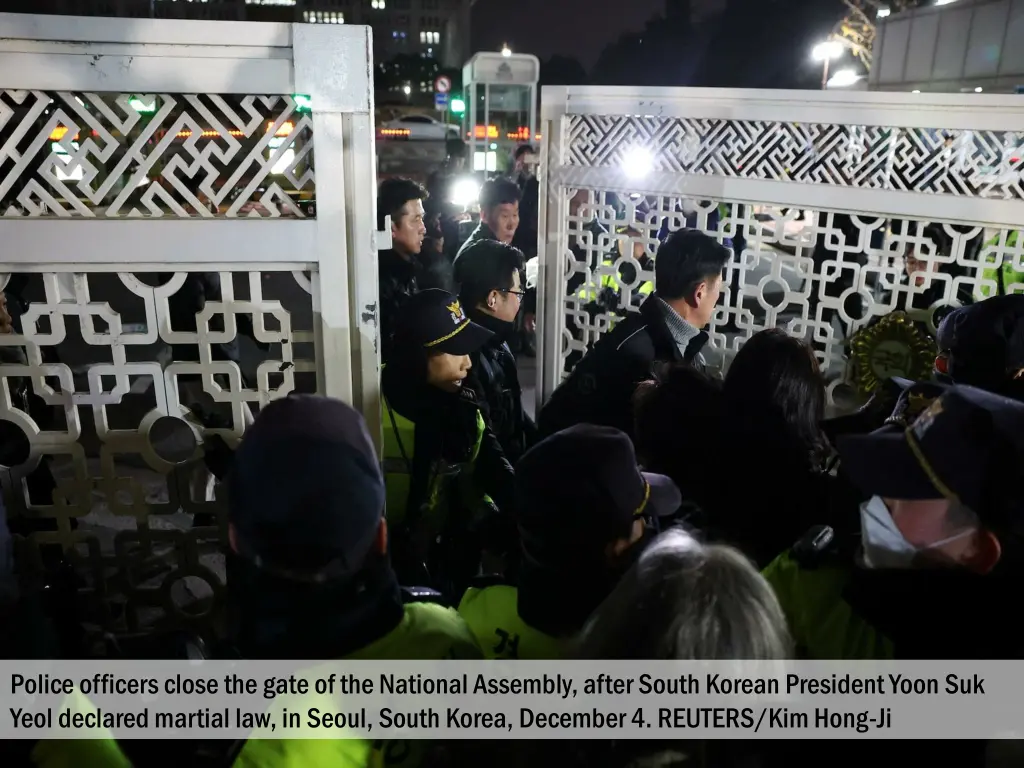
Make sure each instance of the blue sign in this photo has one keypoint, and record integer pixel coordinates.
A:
(441, 101)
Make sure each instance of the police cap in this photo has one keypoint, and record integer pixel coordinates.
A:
(306, 490)
(583, 486)
(434, 320)
(967, 446)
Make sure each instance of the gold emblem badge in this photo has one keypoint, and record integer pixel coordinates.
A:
(458, 315)
(892, 347)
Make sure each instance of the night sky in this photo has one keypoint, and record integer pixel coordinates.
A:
(579, 29)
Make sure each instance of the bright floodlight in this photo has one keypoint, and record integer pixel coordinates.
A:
(637, 162)
(979, 89)
(827, 50)
(406, 89)
(465, 192)
(506, 51)
(843, 79)
(883, 13)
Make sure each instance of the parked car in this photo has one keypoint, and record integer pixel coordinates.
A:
(419, 128)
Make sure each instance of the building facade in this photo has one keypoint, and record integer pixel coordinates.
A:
(430, 28)
(964, 47)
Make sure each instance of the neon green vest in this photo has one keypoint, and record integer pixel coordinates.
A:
(1002, 276)
(100, 751)
(493, 619)
(822, 623)
(399, 453)
(427, 631)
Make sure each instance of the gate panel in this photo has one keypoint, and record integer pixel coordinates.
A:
(827, 196)
(116, 210)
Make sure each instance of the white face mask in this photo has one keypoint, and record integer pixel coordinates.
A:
(884, 546)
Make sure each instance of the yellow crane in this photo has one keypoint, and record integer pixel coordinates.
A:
(856, 30)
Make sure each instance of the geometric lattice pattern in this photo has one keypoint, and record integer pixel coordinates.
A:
(949, 162)
(153, 155)
(119, 381)
(822, 276)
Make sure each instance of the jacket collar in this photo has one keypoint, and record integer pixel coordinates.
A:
(665, 347)
(392, 262)
(500, 328)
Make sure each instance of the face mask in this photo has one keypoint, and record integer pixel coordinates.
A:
(884, 546)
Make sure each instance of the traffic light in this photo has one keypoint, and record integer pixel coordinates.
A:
(303, 103)
(140, 106)
(458, 106)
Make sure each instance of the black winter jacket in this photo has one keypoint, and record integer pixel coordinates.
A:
(495, 380)
(601, 387)
(399, 279)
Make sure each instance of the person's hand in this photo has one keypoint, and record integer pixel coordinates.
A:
(6, 323)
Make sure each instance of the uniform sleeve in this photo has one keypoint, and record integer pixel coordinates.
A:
(493, 474)
(494, 477)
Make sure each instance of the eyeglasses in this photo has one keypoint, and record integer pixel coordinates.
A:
(518, 294)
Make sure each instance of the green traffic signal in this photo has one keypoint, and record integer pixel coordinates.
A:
(303, 103)
(458, 106)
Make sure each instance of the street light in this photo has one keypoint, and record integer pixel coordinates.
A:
(843, 79)
(406, 89)
(826, 52)
(506, 51)
(637, 162)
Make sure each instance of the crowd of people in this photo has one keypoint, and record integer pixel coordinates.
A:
(654, 512)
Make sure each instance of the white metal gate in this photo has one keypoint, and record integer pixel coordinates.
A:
(830, 191)
(136, 157)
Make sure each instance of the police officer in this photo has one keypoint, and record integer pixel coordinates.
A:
(309, 576)
(928, 577)
(983, 345)
(585, 513)
(449, 487)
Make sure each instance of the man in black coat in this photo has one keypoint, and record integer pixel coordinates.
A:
(399, 267)
(491, 290)
(667, 329)
(499, 215)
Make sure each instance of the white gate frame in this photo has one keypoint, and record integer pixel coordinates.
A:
(331, 64)
(898, 110)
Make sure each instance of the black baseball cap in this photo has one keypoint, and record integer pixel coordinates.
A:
(967, 446)
(983, 343)
(434, 319)
(582, 487)
(306, 493)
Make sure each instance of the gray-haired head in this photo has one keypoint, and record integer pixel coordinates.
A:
(688, 600)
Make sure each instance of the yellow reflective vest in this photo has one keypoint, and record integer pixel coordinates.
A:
(101, 751)
(492, 616)
(399, 457)
(590, 292)
(1003, 276)
(427, 631)
(824, 626)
